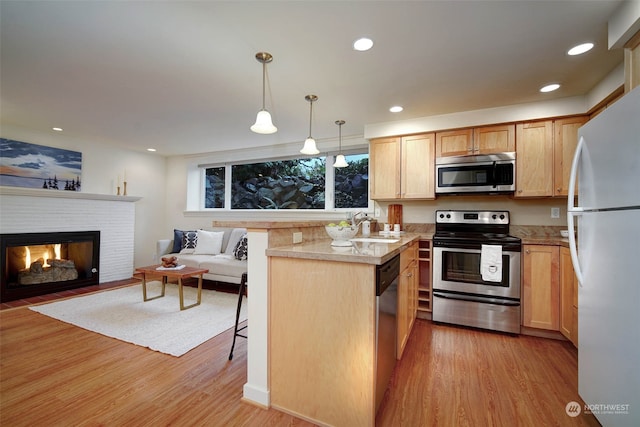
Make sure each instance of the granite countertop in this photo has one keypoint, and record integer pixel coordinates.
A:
(360, 252)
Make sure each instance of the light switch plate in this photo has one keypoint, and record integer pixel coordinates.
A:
(555, 212)
(297, 237)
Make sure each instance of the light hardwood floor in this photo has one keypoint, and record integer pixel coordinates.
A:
(55, 374)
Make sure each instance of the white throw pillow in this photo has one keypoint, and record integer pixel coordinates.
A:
(209, 242)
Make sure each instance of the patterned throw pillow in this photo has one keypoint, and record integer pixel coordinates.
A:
(240, 251)
(189, 240)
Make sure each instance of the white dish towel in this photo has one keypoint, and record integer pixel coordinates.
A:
(491, 263)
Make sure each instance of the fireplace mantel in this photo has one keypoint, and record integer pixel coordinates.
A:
(36, 192)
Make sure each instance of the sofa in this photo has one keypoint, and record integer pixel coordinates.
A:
(223, 251)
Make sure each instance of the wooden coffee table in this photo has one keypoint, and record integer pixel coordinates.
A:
(184, 273)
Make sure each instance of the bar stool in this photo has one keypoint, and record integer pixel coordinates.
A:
(236, 331)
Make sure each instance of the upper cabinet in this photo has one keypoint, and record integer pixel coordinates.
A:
(402, 167)
(565, 141)
(544, 153)
(534, 159)
(482, 140)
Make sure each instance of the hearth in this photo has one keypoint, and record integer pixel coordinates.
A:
(42, 263)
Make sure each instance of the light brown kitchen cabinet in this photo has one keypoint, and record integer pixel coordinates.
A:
(424, 279)
(407, 296)
(534, 159)
(481, 140)
(402, 167)
(541, 287)
(565, 141)
(544, 153)
(384, 168)
(568, 298)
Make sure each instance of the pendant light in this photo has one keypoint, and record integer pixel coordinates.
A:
(310, 143)
(340, 162)
(263, 122)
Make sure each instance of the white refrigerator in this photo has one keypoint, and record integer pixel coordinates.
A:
(607, 261)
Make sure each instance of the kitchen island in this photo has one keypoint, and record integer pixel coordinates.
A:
(322, 329)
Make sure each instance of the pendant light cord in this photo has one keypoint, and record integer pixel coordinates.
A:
(310, 116)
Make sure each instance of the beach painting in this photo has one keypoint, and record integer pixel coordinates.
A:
(36, 166)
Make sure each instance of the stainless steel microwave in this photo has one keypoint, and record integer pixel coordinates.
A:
(491, 173)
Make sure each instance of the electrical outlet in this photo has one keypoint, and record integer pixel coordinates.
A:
(555, 212)
(376, 212)
(297, 237)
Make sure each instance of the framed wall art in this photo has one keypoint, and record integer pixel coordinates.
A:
(37, 166)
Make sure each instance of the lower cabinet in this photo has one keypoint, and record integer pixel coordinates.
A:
(568, 298)
(541, 287)
(407, 296)
(550, 290)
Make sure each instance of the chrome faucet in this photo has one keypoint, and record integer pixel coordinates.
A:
(355, 222)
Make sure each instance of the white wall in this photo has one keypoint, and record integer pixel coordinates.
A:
(101, 165)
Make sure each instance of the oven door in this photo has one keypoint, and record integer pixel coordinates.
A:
(458, 270)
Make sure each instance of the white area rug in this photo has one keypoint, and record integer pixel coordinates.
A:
(158, 324)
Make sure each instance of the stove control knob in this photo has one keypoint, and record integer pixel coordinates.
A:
(494, 216)
(448, 216)
(501, 216)
(441, 216)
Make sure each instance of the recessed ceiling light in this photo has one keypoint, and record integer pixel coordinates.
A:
(151, 149)
(581, 48)
(363, 44)
(396, 109)
(57, 129)
(549, 88)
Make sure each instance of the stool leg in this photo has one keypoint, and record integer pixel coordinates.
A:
(243, 283)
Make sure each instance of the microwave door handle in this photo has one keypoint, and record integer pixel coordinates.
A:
(493, 172)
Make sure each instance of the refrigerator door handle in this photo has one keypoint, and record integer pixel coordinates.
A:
(574, 210)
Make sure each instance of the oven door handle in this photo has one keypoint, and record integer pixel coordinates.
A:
(470, 298)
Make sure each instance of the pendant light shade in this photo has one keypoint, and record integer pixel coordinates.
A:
(263, 123)
(340, 162)
(309, 147)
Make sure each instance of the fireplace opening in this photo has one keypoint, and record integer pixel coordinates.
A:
(41, 263)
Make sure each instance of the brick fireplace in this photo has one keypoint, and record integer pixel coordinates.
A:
(29, 211)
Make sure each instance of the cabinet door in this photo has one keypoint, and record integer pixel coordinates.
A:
(534, 159)
(418, 164)
(403, 311)
(568, 300)
(494, 139)
(384, 164)
(564, 146)
(540, 277)
(454, 143)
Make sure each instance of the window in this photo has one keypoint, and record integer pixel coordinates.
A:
(281, 184)
(298, 184)
(351, 184)
(214, 187)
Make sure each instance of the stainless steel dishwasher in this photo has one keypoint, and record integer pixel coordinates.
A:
(386, 325)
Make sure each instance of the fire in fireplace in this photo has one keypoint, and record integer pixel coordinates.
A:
(41, 263)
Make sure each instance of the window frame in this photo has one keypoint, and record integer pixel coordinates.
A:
(329, 206)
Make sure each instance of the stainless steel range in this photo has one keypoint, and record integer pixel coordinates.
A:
(476, 270)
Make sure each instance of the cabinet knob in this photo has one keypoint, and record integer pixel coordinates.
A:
(528, 251)
(558, 190)
(519, 191)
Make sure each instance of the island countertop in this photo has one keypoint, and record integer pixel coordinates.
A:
(360, 252)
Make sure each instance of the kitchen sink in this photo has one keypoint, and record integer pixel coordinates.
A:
(373, 240)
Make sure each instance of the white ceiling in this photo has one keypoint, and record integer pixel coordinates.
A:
(182, 76)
